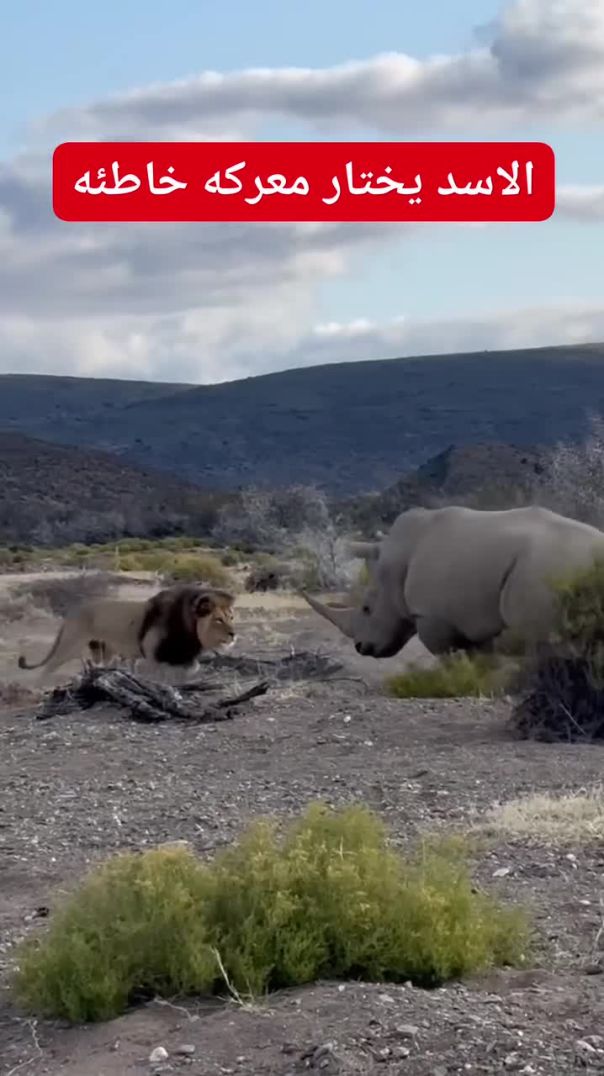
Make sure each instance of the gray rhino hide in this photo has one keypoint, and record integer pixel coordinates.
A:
(459, 577)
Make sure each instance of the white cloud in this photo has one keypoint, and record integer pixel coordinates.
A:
(580, 203)
(539, 326)
(543, 60)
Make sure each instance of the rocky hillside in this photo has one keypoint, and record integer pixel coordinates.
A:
(487, 476)
(54, 494)
(349, 427)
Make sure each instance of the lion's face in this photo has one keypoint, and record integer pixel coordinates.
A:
(215, 627)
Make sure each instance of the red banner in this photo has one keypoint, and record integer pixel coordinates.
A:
(304, 181)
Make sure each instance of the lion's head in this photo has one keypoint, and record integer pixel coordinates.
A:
(213, 611)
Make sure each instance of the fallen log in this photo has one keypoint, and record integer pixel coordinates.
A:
(142, 700)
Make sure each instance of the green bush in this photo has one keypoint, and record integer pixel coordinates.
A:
(455, 676)
(580, 610)
(329, 898)
(189, 567)
(562, 688)
(152, 560)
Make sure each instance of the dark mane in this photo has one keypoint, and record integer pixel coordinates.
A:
(172, 610)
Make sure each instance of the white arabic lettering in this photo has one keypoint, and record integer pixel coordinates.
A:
(278, 185)
(383, 185)
(213, 183)
(167, 184)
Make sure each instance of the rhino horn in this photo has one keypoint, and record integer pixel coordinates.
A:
(365, 550)
(342, 617)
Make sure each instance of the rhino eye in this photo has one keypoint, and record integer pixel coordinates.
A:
(366, 609)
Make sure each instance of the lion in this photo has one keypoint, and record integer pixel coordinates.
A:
(173, 628)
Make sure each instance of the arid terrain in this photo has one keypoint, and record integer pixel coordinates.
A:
(78, 788)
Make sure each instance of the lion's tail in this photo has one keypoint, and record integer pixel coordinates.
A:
(23, 664)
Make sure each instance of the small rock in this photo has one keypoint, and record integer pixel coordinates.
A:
(502, 872)
(407, 1031)
(402, 1053)
(158, 1055)
(186, 1050)
(584, 1047)
(512, 1061)
(594, 969)
(386, 998)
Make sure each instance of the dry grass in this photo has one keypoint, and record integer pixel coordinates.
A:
(574, 818)
(455, 676)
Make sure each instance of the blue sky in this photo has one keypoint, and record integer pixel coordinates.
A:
(75, 57)
(67, 53)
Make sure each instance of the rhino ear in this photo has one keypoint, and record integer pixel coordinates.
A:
(364, 550)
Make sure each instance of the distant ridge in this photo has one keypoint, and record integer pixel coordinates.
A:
(347, 427)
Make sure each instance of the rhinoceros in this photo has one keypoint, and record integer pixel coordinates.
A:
(459, 578)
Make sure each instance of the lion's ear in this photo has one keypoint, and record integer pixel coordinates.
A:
(203, 605)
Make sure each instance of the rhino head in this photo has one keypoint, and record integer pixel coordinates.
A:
(376, 626)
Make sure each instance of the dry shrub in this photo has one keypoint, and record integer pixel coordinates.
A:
(573, 818)
(59, 595)
(329, 899)
(562, 688)
(455, 676)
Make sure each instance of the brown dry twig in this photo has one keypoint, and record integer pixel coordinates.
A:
(143, 700)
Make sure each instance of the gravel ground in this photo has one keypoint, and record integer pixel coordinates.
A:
(77, 788)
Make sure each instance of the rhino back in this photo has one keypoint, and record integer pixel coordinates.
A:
(483, 571)
(458, 568)
(559, 547)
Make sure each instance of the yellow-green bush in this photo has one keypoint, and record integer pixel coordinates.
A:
(580, 608)
(189, 567)
(176, 567)
(329, 898)
(149, 560)
(562, 689)
(455, 676)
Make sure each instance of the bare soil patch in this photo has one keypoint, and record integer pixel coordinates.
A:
(79, 787)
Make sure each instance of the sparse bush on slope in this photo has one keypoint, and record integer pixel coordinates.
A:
(328, 899)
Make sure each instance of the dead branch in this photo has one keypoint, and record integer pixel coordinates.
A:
(142, 700)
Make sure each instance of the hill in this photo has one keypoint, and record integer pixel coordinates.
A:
(347, 427)
(487, 476)
(54, 494)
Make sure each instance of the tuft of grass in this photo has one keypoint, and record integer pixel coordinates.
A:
(455, 676)
(327, 898)
(574, 818)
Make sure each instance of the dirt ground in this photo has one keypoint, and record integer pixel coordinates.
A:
(75, 789)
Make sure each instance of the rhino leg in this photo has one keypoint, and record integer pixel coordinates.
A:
(440, 638)
(437, 636)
